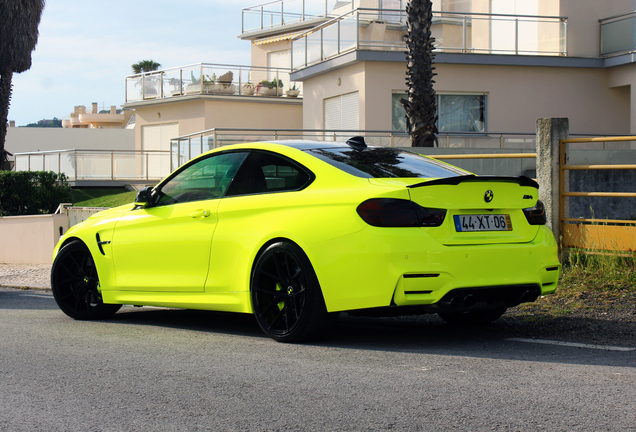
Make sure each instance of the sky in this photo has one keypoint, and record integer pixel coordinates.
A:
(86, 49)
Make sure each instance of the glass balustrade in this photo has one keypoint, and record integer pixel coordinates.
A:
(98, 164)
(288, 12)
(384, 30)
(211, 79)
(618, 35)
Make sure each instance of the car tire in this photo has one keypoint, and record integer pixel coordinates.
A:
(473, 317)
(286, 297)
(74, 282)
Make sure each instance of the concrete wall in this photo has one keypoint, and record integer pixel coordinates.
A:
(516, 95)
(623, 78)
(198, 114)
(259, 57)
(41, 139)
(30, 239)
(334, 83)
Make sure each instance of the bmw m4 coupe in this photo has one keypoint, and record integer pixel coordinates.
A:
(296, 231)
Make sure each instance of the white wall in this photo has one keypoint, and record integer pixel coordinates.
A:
(22, 139)
(30, 239)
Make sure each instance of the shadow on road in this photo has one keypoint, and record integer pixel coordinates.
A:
(426, 334)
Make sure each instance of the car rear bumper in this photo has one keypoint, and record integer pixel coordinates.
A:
(385, 267)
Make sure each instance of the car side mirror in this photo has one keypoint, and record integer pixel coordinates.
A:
(144, 197)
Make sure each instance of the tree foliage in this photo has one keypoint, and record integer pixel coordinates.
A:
(145, 66)
(32, 192)
(421, 106)
(19, 20)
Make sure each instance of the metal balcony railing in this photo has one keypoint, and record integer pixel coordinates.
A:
(287, 12)
(98, 164)
(152, 166)
(618, 34)
(479, 33)
(212, 79)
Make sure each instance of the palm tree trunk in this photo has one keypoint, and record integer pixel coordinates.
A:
(5, 98)
(421, 106)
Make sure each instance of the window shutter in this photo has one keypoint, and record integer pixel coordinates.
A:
(350, 111)
(342, 112)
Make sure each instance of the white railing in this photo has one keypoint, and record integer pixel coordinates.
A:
(98, 164)
(189, 146)
(287, 12)
(211, 79)
(478, 33)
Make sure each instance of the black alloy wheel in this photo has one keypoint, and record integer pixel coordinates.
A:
(286, 297)
(479, 317)
(74, 283)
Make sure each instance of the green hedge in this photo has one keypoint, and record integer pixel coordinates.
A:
(32, 192)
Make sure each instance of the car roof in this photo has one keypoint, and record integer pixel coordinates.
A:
(310, 145)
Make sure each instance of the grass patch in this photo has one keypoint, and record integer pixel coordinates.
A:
(589, 283)
(102, 197)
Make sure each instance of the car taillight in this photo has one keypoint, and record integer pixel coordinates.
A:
(536, 214)
(391, 212)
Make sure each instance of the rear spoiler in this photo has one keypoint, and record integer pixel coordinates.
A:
(454, 181)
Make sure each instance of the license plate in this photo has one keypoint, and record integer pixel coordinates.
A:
(491, 222)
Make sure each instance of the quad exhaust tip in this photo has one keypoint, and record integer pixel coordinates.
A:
(530, 296)
(463, 301)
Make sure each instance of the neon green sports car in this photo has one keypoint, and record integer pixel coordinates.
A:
(296, 231)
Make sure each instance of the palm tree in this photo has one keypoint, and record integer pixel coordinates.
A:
(421, 106)
(145, 66)
(19, 20)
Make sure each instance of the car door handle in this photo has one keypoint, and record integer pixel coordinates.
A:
(200, 213)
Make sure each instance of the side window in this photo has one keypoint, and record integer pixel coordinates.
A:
(264, 172)
(206, 179)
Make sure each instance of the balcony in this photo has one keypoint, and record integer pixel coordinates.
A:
(618, 35)
(475, 33)
(211, 79)
(290, 13)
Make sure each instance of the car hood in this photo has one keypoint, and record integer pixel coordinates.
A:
(112, 212)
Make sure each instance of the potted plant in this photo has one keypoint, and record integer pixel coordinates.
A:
(292, 92)
(276, 85)
(225, 83)
(265, 88)
(269, 88)
(248, 89)
(209, 85)
(194, 86)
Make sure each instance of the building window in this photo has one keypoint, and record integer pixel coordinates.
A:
(342, 112)
(456, 112)
(461, 113)
(398, 117)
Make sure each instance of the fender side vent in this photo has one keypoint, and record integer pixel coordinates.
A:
(420, 275)
(100, 243)
(551, 269)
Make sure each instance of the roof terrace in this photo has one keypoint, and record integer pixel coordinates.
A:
(211, 79)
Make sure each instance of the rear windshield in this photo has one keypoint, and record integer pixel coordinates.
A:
(385, 163)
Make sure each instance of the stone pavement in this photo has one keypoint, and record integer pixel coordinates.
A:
(35, 276)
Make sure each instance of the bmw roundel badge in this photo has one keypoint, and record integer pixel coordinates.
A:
(488, 196)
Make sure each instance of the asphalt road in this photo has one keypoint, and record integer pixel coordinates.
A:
(151, 369)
